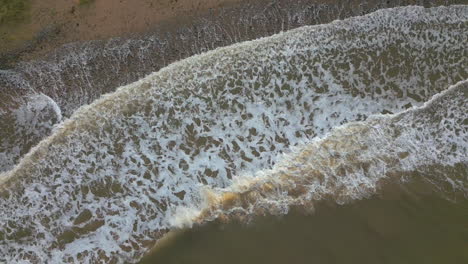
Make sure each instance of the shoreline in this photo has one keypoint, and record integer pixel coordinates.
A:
(58, 25)
(51, 25)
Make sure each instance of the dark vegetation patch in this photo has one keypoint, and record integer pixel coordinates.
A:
(86, 2)
(13, 10)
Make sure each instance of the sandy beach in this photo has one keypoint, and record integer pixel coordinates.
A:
(49, 24)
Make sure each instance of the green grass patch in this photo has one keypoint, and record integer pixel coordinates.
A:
(13, 10)
(86, 2)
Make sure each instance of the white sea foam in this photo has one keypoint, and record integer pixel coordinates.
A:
(33, 119)
(108, 182)
(352, 161)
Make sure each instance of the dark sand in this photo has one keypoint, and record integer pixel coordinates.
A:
(51, 23)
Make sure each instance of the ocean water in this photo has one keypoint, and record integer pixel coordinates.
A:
(79, 73)
(403, 229)
(358, 120)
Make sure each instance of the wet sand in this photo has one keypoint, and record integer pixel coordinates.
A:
(49, 24)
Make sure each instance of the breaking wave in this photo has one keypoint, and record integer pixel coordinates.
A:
(205, 138)
(79, 73)
(427, 143)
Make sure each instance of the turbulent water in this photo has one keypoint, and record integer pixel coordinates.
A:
(79, 73)
(354, 104)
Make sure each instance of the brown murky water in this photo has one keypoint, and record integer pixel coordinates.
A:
(406, 229)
